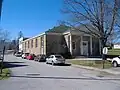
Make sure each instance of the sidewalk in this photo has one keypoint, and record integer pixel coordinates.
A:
(88, 59)
(96, 69)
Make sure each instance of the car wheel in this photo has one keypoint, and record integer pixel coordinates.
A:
(115, 64)
(39, 60)
(53, 63)
(46, 62)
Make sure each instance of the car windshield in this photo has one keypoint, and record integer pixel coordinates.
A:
(19, 53)
(58, 56)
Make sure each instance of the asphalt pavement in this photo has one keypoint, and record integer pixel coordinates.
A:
(31, 75)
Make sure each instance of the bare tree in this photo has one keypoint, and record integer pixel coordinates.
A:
(99, 17)
(4, 35)
(4, 38)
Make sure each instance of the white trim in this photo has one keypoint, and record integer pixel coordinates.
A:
(91, 45)
(71, 44)
(38, 35)
(66, 33)
(34, 37)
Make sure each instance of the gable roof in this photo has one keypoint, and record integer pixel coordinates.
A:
(88, 29)
(58, 29)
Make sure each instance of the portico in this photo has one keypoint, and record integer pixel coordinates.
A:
(80, 44)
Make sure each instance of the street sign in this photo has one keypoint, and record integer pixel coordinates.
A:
(105, 50)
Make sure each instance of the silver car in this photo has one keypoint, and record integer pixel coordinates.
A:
(18, 54)
(55, 59)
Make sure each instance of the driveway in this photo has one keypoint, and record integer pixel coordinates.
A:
(31, 75)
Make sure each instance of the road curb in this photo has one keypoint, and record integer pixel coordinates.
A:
(96, 69)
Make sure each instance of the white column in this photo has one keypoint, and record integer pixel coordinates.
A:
(81, 45)
(90, 45)
(71, 44)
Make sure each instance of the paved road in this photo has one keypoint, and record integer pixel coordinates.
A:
(116, 69)
(30, 75)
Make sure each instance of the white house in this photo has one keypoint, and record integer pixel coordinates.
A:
(20, 43)
(116, 46)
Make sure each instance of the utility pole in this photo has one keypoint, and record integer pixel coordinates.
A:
(3, 53)
(1, 2)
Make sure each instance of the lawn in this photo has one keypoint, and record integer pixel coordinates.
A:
(98, 63)
(5, 73)
(91, 63)
(114, 52)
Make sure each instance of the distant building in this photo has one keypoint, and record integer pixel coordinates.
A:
(20, 43)
(116, 46)
(2, 44)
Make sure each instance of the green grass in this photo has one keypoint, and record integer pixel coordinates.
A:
(91, 63)
(114, 52)
(5, 74)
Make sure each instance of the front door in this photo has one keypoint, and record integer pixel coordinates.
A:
(85, 48)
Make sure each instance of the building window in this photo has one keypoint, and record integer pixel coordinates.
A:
(73, 45)
(28, 44)
(31, 43)
(36, 42)
(42, 42)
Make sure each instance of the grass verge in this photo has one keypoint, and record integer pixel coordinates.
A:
(5, 74)
(92, 63)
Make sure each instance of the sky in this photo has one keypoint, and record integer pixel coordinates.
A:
(32, 17)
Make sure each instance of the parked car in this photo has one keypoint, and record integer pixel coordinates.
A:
(24, 55)
(30, 57)
(55, 59)
(14, 52)
(116, 61)
(18, 54)
(40, 58)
